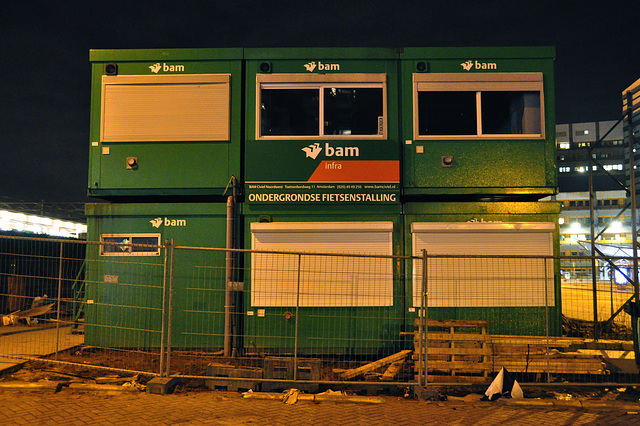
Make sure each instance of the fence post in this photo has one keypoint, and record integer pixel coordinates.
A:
(163, 329)
(170, 307)
(424, 307)
(58, 309)
(295, 342)
(546, 314)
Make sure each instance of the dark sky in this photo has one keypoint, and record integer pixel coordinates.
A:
(44, 63)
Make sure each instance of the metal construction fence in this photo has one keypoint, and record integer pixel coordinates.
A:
(258, 320)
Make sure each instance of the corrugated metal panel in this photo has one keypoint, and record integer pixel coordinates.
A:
(485, 282)
(323, 280)
(150, 108)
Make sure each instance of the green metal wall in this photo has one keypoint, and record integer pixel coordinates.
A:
(503, 320)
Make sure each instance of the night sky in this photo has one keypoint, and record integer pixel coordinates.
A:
(45, 70)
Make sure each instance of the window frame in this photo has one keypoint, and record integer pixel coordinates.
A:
(478, 83)
(130, 253)
(320, 82)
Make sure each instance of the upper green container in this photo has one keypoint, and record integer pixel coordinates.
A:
(324, 125)
(478, 121)
(164, 122)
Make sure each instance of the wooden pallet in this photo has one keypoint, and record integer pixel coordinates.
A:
(528, 354)
(457, 350)
(461, 350)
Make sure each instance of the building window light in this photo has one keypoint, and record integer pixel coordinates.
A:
(610, 167)
(564, 145)
(615, 226)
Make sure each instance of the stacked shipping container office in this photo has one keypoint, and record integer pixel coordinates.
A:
(339, 150)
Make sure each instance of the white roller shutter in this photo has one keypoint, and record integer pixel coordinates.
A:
(482, 282)
(315, 280)
(165, 108)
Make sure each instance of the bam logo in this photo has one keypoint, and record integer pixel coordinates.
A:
(330, 151)
(467, 66)
(312, 150)
(311, 66)
(155, 68)
(158, 221)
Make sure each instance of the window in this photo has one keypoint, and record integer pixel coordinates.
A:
(165, 108)
(610, 167)
(489, 106)
(130, 244)
(564, 145)
(335, 106)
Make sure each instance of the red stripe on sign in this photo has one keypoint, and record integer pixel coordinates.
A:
(357, 171)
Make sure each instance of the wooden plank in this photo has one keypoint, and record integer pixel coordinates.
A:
(349, 374)
(455, 351)
(433, 336)
(435, 378)
(519, 350)
(554, 341)
(392, 371)
(553, 357)
(452, 323)
(458, 366)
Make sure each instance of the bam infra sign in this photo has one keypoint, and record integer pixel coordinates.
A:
(324, 173)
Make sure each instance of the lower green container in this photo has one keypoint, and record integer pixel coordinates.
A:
(488, 261)
(323, 305)
(126, 274)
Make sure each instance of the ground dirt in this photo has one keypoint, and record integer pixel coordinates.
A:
(38, 371)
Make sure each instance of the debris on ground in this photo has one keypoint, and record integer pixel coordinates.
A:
(27, 315)
(395, 361)
(291, 396)
(503, 386)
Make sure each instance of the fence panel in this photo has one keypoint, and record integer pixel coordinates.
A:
(124, 294)
(257, 319)
(324, 313)
(197, 311)
(37, 279)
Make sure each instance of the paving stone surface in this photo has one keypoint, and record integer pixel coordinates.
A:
(227, 408)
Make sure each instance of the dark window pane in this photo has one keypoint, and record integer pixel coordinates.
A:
(447, 113)
(116, 245)
(352, 111)
(150, 244)
(130, 244)
(510, 113)
(289, 112)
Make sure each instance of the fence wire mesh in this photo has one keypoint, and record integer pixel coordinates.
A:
(238, 317)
